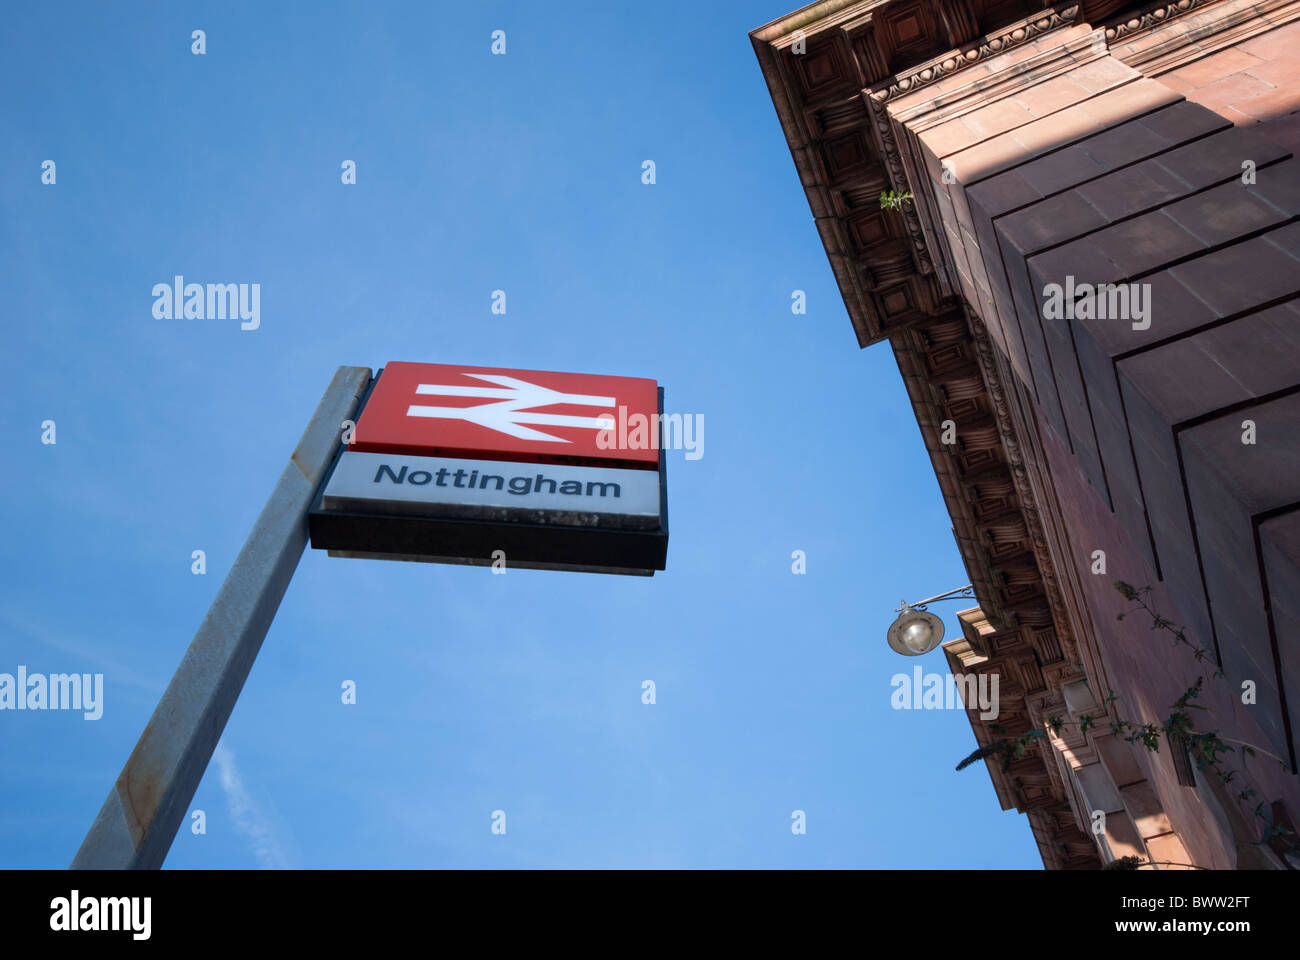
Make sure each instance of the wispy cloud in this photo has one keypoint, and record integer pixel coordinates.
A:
(114, 670)
(246, 816)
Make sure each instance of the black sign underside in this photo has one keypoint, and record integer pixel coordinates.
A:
(445, 540)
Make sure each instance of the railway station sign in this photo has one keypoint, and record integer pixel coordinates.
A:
(472, 465)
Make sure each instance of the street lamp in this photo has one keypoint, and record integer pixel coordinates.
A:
(917, 631)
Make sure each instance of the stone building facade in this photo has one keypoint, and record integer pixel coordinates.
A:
(1146, 432)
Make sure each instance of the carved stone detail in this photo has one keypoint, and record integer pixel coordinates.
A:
(1015, 460)
(1151, 18)
(887, 148)
(946, 64)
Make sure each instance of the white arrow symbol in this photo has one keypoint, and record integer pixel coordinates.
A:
(507, 416)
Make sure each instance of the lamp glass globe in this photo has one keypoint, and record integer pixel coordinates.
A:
(916, 635)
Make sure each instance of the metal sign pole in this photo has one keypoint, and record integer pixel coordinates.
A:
(139, 820)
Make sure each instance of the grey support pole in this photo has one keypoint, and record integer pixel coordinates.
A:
(139, 820)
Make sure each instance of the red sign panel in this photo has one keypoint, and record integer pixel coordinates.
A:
(488, 413)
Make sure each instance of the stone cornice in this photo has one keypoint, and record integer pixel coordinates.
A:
(1036, 784)
(954, 61)
(830, 99)
(929, 108)
(1143, 40)
(949, 368)
(1153, 16)
(1037, 536)
(824, 15)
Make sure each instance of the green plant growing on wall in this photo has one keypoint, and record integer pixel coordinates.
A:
(890, 200)
(1009, 749)
(1137, 863)
(1139, 596)
(1206, 748)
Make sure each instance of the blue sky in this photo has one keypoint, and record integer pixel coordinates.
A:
(474, 692)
